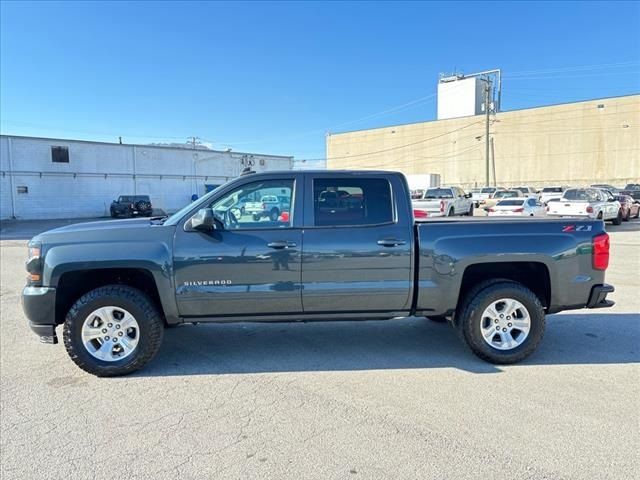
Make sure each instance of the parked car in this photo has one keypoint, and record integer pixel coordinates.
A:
(632, 189)
(269, 206)
(606, 186)
(131, 206)
(587, 202)
(500, 195)
(445, 202)
(630, 207)
(486, 193)
(524, 207)
(548, 193)
(527, 191)
(113, 286)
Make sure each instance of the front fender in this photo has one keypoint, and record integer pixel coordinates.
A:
(154, 257)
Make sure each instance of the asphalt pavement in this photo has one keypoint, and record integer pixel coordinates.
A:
(352, 400)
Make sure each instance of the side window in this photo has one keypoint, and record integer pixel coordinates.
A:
(264, 204)
(531, 202)
(352, 201)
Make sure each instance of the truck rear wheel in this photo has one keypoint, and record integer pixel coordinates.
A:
(501, 322)
(113, 330)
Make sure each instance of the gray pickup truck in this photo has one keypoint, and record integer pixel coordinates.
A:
(349, 249)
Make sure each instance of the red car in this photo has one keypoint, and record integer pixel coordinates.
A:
(630, 207)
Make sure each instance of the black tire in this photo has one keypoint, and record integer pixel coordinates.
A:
(134, 301)
(618, 219)
(600, 216)
(256, 217)
(468, 322)
(628, 216)
(638, 213)
(114, 214)
(470, 212)
(274, 214)
(451, 212)
(439, 319)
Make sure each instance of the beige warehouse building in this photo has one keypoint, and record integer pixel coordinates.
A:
(595, 141)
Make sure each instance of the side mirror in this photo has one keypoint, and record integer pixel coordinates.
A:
(204, 220)
(467, 195)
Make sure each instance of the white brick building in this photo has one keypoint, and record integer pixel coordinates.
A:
(55, 178)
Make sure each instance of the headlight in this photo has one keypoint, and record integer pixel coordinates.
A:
(34, 264)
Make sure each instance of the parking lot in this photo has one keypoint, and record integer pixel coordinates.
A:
(396, 399)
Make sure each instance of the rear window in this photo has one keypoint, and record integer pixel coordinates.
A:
(581, 195)
(510, 203)
(347, 201)
(505, 194)
(438, 193)
(487, 190)
(552, 189)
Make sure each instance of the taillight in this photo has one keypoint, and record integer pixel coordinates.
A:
(492, 210)
(547, 208)
(519, 210)
(589, 209)
(441, 205)
(420, 213)
(600, 253)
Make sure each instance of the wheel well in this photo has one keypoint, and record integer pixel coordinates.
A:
(72, 285)
(533, 275)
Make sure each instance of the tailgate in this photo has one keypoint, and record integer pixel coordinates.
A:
(569, 208)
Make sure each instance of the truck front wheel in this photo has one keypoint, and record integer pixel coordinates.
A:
(501, 322)
(113, 330)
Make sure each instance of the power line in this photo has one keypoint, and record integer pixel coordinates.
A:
(626, 64)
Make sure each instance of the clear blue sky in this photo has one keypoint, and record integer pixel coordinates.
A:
(274, 77)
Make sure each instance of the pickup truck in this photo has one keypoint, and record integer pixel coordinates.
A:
(445, 202)
(587, 202)
(269, 206)
(113, 286)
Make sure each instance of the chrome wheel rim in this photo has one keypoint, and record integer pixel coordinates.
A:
(505, 324)
(110, 333)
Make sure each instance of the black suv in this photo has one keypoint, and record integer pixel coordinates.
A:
(131, 205)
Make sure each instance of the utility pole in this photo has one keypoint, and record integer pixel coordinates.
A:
(194, 141)
(487, 111)
(493, 162)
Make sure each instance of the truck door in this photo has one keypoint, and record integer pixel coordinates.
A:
(357, 244)
(248, 267)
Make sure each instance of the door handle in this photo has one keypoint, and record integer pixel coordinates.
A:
(281, 244)
(391, 242)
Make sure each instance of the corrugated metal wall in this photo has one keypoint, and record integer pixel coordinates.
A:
(97, 173)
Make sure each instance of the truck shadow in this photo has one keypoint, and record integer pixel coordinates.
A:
(570, 339)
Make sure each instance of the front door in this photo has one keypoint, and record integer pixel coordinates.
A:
(250, 267)
(357, 252)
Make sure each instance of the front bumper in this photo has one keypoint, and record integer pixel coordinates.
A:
(39, 305)
(598, 297)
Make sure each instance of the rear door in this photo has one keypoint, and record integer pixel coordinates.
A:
(358, 249)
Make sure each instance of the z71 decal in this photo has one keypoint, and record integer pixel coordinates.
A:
(576, 228)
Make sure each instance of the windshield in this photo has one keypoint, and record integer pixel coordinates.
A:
(552, 190)
(632, 186)
(438, 193)
(523, 189)
(487, 190)
(510, 203)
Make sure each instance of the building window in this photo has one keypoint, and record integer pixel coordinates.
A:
(60, 154)
(23, 189)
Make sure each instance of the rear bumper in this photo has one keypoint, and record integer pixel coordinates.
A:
(598, 297)
(39, 305)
